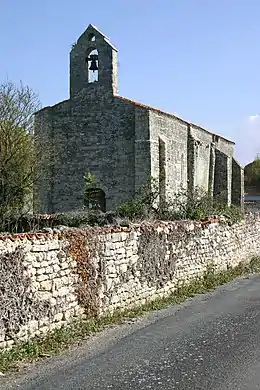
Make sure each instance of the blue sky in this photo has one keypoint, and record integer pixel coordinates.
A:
(199, 59)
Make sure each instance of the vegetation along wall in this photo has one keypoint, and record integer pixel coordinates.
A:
(48, 279)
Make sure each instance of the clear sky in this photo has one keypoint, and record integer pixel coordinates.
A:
(199, 59)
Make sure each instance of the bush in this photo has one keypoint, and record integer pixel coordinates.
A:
(142, 206)
(184, 205)
(80, 218)
(197, 205)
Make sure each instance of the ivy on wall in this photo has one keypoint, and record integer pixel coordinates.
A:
(84, 247)
(18, 303)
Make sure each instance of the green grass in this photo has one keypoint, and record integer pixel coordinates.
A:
(60, 339)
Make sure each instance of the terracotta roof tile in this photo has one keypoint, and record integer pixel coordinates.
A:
(170, 115)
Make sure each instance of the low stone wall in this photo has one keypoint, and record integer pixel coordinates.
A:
(150, 261)
(48, 279)
(37, 286)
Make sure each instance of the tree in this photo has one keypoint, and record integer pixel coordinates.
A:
(21, 161)
(252, 173)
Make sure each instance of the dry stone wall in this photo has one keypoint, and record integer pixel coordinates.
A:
(150, 261)
(37, 286)
(41, 276)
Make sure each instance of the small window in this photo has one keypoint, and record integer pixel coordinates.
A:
(91, 37)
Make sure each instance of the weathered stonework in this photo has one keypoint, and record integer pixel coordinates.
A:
(133, 265)
(118, 140)
(238, 191)
(222, 177)
(52, 284)
(150, 261)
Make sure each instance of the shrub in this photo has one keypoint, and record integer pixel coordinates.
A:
(143, 204)
(184, 205)
(197, 205)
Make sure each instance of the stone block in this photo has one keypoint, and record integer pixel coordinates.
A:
(64, 265)
(36, 264)
(114, 299)
(123, 268)
(44, 330)
(53, 301)
(46, 285)
(28, 257)
(116, 237)
(110, 268)
(2, 336)
(53, 245)
(41, 278)
(40, 248)
(33, 325)
(40, 271)
(44, 322)
(44, 295)
(3, 345)
(31, 271)
(72, 263)
(79, 311)
(58, 317)
(9, 343)
(56, 268)
(48, 270)
(53, 326)
(67, 315)
(63, 291)
(64, 273)
(109, 283)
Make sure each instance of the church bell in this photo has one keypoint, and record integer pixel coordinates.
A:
(93, 66)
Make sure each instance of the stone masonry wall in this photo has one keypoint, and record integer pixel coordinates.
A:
(238, 189)
(150, 261)
(173, 133)
(128, 267)
(223, 177)
(100, 140)
(39, 293)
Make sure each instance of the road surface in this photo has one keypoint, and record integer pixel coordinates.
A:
(210, 342)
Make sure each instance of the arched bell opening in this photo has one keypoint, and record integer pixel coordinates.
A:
(92, 65)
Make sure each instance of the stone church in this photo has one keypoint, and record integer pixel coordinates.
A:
(125, 143)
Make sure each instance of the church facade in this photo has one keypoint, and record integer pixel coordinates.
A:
(125, 143)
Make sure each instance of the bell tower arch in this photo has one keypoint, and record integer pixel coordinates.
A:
(93, 64)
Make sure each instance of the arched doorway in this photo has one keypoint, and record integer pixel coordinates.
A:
(95, 199)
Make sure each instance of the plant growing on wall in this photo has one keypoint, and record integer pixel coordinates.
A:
(90, 181)
(144, 202)
(85, 248)
(18, 304)
(184, 205)
(94, 196)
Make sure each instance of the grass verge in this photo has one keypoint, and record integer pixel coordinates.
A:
(60, 339)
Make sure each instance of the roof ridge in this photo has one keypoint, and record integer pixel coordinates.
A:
(173, 116)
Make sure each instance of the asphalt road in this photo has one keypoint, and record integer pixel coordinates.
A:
(210, 342)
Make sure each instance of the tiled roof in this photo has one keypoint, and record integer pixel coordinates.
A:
(172, 116)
